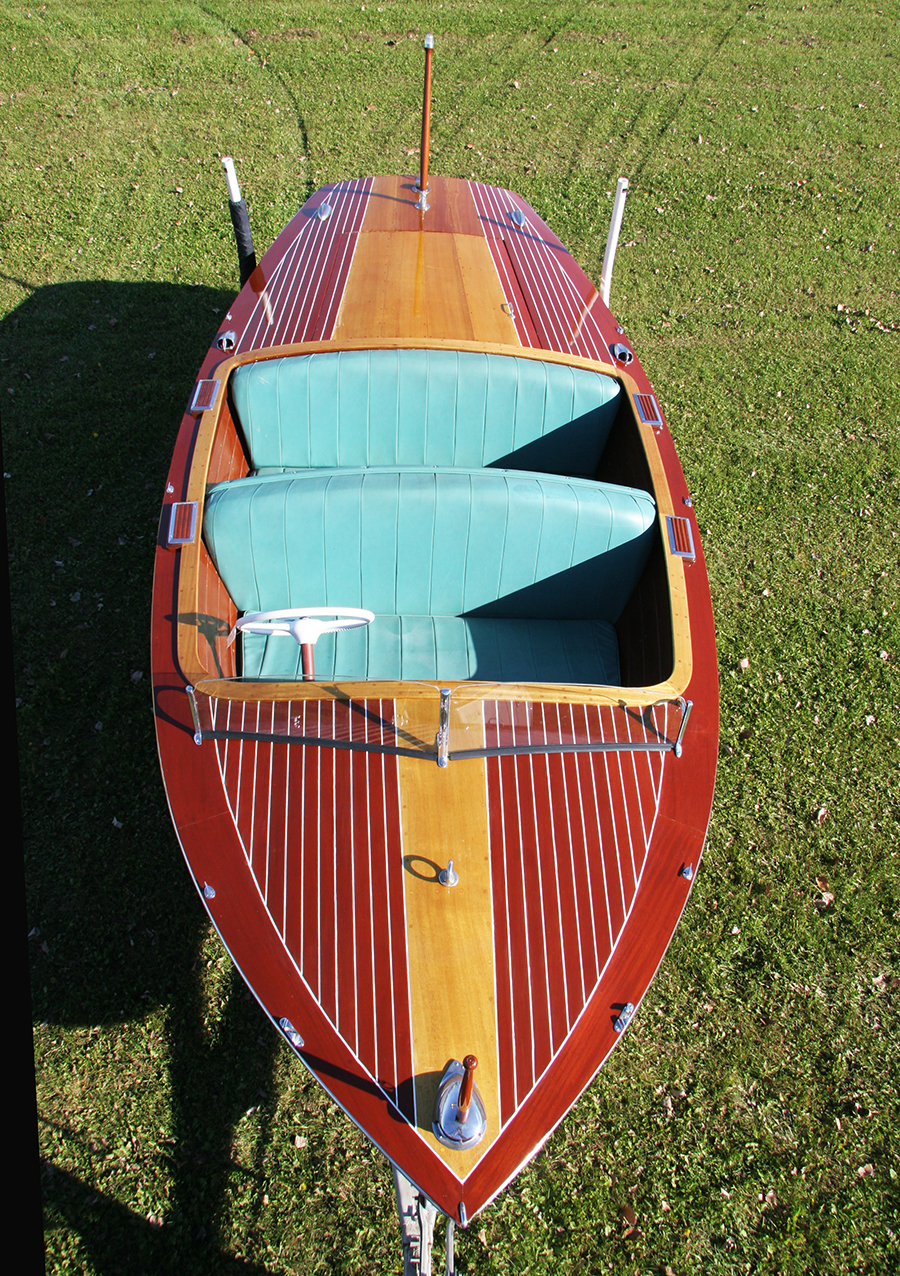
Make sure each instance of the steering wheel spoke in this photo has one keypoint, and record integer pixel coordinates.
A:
(305, 625)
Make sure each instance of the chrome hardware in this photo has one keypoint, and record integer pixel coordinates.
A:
(686, 500)
(463, 1216)
(226, 340)
(182, 523)
(324, 210)
(208, 891)
(291, 1033)
(192, 700)
(621, 353)
(686, 871)
(648, 410)
(448, 876)
(169, 489)
(686, 707)
(204, 395)
(422, 203)
(442, 740)
(453, 1126)
(518, 216)
(507, 308)
(624, 1018)
(681, 537)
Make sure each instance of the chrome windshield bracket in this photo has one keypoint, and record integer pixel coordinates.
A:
(686, 707)
(442, 741)
(195, 714)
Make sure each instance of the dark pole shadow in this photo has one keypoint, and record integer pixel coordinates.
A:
(100, 374)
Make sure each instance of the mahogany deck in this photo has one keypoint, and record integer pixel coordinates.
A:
(318, 864)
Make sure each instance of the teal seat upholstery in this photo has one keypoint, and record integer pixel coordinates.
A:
(422, 407)
(468, 570)
(448, 648)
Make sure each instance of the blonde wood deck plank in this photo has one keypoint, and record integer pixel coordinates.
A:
(392, 206)
(449, 929)
(484, 292)
(435, 287)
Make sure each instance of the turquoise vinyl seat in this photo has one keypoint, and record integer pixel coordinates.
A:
(447, 648)
(472, 573)
(422, 407)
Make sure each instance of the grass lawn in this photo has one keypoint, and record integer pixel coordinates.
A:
(750, 1120)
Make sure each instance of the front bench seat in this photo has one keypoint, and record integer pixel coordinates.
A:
(462, 568)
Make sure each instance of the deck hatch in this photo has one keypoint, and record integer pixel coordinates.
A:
(183, 523)
(204, 395)
(681, 537)
(648, 409)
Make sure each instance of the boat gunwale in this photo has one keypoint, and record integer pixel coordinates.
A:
(205, 426)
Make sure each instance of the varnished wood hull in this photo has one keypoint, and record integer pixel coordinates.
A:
(318, 861)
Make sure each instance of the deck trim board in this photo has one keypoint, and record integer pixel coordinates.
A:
(536, 954)
(349, 963)
(563, 300)
(301, 292)
(430, 287)
(450, 937)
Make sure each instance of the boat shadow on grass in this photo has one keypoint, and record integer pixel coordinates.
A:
(97, 376)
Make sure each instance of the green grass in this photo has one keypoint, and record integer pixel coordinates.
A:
(750, 1118)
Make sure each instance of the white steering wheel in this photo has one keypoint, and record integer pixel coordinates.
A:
(302, 623)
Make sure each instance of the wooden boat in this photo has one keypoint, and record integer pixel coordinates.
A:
(470, 828)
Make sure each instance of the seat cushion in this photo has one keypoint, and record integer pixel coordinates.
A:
(423, 407)
(478, 543)
(435, 648)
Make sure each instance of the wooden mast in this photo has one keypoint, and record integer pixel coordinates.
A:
(422, 186)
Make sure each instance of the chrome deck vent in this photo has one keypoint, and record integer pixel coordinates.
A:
(648, 410)
(204, 396)
(681, 537)
(182, 523)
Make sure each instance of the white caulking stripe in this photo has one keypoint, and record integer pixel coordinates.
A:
(282, 287)
(567, 808)
(525, 251)
(262, 315)
(353, 218)
(636, 805)
(530, 253)
(562, 307)
(568, 323)
(499, 204)
(483, 198)
(297, 284)
(391, 1060)
(314, 278)
(348, 205)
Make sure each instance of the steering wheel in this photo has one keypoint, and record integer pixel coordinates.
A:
(302, 624)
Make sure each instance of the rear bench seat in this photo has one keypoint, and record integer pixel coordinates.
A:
(472, 573)
(423, 407)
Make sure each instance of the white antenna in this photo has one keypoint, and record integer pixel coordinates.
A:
(613, 238)
(234, 190)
